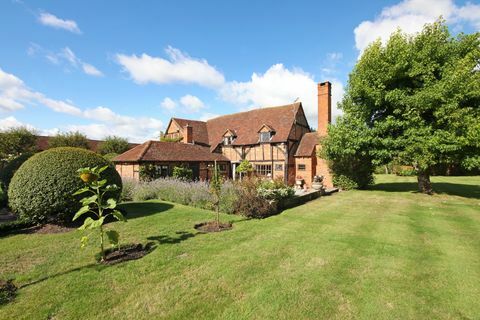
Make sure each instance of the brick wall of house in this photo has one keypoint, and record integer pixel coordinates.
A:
(323, 170)
(309, 172)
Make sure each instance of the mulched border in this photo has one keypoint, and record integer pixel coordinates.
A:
(211, 226)
(126, 253)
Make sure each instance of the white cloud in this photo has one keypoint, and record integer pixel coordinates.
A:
(168, 104)
(279, 86)
(66, 57)
(14, 94)
(178, 68)
(51, 20)
(193, 103)
(411, 16)
(91, 70)
(12, 122)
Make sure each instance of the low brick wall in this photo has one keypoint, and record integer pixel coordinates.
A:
(298, 200)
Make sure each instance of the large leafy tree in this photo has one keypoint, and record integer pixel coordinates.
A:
(114, 144)
(69, 139)
(419, 97)
(16, 141)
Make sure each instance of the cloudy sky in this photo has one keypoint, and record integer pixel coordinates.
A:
(125, 67)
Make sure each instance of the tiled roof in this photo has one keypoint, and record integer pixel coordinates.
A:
(42, 143)
(199, 129)
(168, 151)
(246, 124)
(307, 144)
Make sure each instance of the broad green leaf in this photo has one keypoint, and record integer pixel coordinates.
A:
(86, 224)
(102, 169)
(119, 216)
(97, 223)
(100, 183)
(80, 212)
(89, 200)
(82, 190)
(111, 204)
(112, 236)
(84, 242)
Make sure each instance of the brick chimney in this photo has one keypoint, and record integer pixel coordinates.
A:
(324, 107)
(188, 134)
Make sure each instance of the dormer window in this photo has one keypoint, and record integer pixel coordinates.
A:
(265, 136)
(265, 133)
(228, 137)
(227, 140)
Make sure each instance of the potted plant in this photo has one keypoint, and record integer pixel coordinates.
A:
(317, 183)
(299, 181)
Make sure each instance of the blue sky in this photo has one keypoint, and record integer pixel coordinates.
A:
(124, 67)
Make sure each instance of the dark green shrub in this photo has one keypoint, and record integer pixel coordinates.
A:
(250, 204)
(182, 173)
(11, 167)
(41, 189)
(3, 197)
(344, 182)
(148, 172)
(407, 172)
(7, 291)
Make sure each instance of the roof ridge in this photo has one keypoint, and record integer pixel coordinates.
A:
(145, 149)
(256, 109)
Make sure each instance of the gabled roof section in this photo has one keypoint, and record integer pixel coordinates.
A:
(231, 132)
(246, 124)
(200, 133)
(307, 144)
(269, 128)
(157, 151)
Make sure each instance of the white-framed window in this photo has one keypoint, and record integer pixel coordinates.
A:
(263, 169)
(265, 136)
(228, 140)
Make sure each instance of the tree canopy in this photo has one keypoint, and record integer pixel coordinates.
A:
(16, 141)
(69, 139)
(113, 144)
(417, 101)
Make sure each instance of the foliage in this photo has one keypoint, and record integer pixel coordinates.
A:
(244, 167)
(128, 189)
(7, 291)
(7, 172)
(110, 156)
(407, 172)
(274, 190)
(97, 201)
(215, 191)
(41, 189)
(69, 139)
(168, 139)
(250, 204)
(418, 99)
(3, 197)
(346, 147)
(182, 173)
(113, 144)
(148, 172)
(15, 141)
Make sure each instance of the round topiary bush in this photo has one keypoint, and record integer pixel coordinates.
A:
(41, 189)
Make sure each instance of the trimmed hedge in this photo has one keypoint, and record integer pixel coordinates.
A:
(7, 172)
(41, 189)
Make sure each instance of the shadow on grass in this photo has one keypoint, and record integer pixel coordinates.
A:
(453, 189)
(141, 209)
(95, 266)
(180, 236)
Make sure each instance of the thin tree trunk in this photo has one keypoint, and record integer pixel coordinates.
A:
(424, 184)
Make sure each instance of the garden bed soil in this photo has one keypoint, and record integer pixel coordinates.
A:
(126, 253)
(7, 291)
(211, 226)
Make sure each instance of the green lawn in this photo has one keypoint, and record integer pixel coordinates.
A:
(385, 253)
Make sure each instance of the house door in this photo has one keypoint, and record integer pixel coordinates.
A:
(195, 170)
